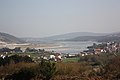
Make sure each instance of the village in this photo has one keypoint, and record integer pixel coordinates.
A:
(38, 54)
(106, 47)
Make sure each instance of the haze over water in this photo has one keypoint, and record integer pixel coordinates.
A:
(71, 47)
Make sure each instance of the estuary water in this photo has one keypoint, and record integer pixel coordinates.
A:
(71, 47)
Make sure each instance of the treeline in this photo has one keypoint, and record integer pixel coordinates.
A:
(14, 59)
(19, 50)
(8, 50)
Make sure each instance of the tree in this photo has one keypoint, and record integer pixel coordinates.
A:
(27, 59)
(15, 59)
(47, 69)
(17, 49)
(4, 50)
(1, 61)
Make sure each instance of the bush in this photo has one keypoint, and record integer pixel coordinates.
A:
(14, 59)
(23, 74)
(47, 69)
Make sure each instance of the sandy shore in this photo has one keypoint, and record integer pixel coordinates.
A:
(26, 45)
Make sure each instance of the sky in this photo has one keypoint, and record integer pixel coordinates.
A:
(41, 18)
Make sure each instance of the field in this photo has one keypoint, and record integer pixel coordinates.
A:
(76, 59)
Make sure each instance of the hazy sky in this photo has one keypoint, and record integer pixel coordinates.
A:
(39, 18)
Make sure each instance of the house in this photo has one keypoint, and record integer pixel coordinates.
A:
(52, 56)
(82, 53)
(71, 55)
(55, 57)
(98, 51)
(3, 56)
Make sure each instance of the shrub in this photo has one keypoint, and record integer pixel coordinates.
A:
(22, 74)
(47, 69)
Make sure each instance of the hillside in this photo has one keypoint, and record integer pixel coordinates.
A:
(63, 36)
(73, 35)
(4, 37)
(84, 38)
(105, 38)
(110, 37)
(78, 36)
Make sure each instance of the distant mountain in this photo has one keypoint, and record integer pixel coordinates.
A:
(4, 37)
(64, 36)
(104, 38)
(73, 35)
(85, 38)
(117, 34)
(110, 37)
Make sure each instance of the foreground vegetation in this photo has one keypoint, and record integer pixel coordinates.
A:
(95, 67)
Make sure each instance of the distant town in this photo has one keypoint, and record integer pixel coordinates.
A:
(37, 54)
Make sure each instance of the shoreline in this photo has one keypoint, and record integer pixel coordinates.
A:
(60, 47)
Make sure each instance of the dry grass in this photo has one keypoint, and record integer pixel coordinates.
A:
(66, 71)
(68, 68)
(72, 71)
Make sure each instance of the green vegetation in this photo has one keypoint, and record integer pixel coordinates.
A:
(14, 59)
(76, 59)
(47, 69)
